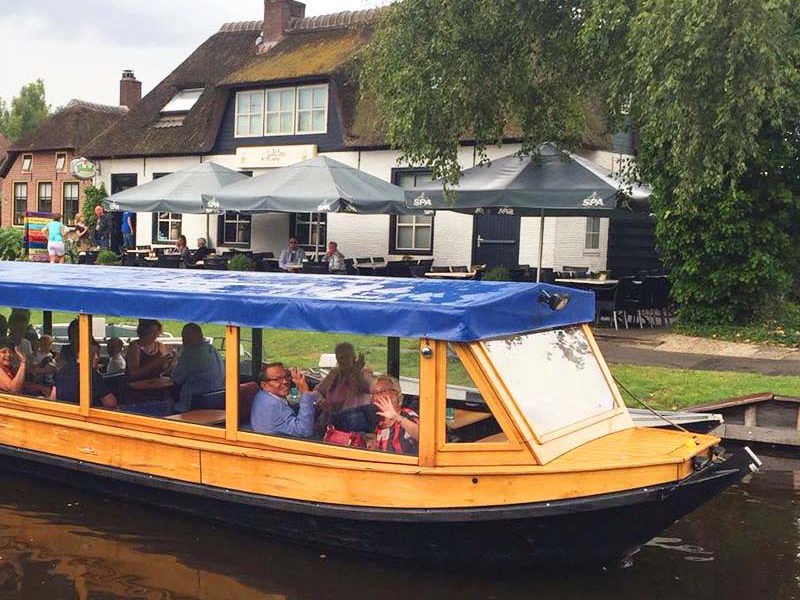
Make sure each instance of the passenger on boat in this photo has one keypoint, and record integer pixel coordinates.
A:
(398, 431)
(43, 366)
(345, 386)
(12, 378)
(17, 328)
(3, 326)
(291, 256)
(147, 357)
(116, 362)
(69, 351)
(271, 412)
(199, 369)
(67, 385)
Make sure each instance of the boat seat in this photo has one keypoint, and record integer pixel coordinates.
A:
(216, 399)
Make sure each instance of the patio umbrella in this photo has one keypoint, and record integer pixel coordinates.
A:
(178, 192)
(555, 183)
(318, 185)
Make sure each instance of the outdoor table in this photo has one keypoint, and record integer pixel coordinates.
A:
(371, 268)
(205, 416)
(157, 388)
(448, 275)
(588, 282)
(464, 418)
(137, 252)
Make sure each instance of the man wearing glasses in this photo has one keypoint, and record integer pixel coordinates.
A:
(292, 257)
(271, 412)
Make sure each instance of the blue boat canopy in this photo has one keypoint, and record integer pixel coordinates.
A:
(458, 311)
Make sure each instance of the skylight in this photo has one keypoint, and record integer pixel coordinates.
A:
(183, 101)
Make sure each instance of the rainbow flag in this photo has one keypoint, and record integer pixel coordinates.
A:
(35, 235)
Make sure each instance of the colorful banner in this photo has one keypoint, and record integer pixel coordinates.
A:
(35, 235)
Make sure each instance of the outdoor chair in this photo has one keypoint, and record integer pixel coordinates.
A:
(130, 260)
(378, 259)
(215, 263)
(439, 269)
(654, 299)
(459, 269)
(575, 271)
(315, 267)
(520, 273)
(398, 268)
(169, 261)
(606, 303)
(361, 261)
(422, 267)
(348, 263)
(548, 275)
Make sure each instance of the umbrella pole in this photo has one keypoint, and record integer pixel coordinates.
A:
(541, 247)
(318, 217)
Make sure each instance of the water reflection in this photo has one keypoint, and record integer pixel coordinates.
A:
(58, 543)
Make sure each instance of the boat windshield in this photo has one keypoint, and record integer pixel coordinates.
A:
(554, 377)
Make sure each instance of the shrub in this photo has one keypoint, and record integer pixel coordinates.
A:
(10, 243)
(107, 257)
(497, 274)
(241, 262)
(92, 197)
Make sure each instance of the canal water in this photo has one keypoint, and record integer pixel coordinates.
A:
(57, 543)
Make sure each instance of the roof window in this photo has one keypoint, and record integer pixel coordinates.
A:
(183, 101)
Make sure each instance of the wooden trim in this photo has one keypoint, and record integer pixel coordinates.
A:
(85, 363)
(587, 331)
(158, 425)
(431, 381)
(41, 405)
(231, 383)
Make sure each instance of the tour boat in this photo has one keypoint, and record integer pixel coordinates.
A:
(552, 470)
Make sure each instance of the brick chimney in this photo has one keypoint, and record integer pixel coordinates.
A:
(130, 89)
(277, 15)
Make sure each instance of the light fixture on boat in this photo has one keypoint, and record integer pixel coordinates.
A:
(426, 350)
(554, 301)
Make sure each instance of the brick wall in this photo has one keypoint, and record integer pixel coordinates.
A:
(43, 169)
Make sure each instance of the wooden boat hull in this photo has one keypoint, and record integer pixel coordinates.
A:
(597, 529)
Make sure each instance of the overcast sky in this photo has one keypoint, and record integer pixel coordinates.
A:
(80, 47)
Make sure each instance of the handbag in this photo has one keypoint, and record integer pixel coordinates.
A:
(343, 438)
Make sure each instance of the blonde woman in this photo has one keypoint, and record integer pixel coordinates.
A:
(81, 232)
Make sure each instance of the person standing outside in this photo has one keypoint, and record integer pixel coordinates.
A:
(56, 233)
(335, 259)
(128, 229)
(291, 256)
(102, 228)
(81, 232)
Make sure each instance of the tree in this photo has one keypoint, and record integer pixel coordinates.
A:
(443, 69)
(28, 110)
(712, 87)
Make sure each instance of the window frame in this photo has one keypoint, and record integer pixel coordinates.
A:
(236, 114)
(157, 220)
(62, 157)
(175, 98)
(223, 220)
(297, 109)
(14, 200)
(295, 220)
(39, 185)
(591, 240)
(26, 164)
(69, 216)
(394, 221)
(267, 112)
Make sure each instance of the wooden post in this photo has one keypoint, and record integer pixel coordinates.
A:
(47, 322)
(231, 383)
(257, 350)
(393, 356)
(85, 363)
(430, 382)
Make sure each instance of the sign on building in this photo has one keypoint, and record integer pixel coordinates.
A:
(267, 157)
(82, 168)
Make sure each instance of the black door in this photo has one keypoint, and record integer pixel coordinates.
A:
(119, 183)
(495, 240)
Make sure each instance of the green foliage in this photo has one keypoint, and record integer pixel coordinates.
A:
(241, 262)
(443, 69)
(10, 243)
(28, 110)
(713, 89)
(497, 274)
(92, 196)
(107, 257)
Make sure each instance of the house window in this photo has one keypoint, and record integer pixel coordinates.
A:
(280, 112)
(411, 234)
(45, 197)
(71, 197)
(61, 161)
(183, 101)
(20, 202)
(304, 226)
(167, 227)
(250, 114)
(312, 109)
(592, 233)
(27, 159)
(234, 229)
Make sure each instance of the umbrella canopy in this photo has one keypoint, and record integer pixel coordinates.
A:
(554, 183)
(318, 185)
(178, 192)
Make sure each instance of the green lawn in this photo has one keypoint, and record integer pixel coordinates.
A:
(662, 388)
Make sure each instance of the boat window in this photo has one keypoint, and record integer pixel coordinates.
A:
(467, 416)
(346, 381)
(553, 376)
(28, 359)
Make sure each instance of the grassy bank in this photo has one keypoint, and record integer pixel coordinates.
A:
(780, 327)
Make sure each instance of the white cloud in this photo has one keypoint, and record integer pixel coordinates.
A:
(79, 49)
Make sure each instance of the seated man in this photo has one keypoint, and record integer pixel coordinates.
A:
(335, 259)
(291, 256)
(67, 387)
(199, 369)
(202, 251)
(271, 412)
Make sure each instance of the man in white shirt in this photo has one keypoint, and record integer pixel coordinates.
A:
(291, 257)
